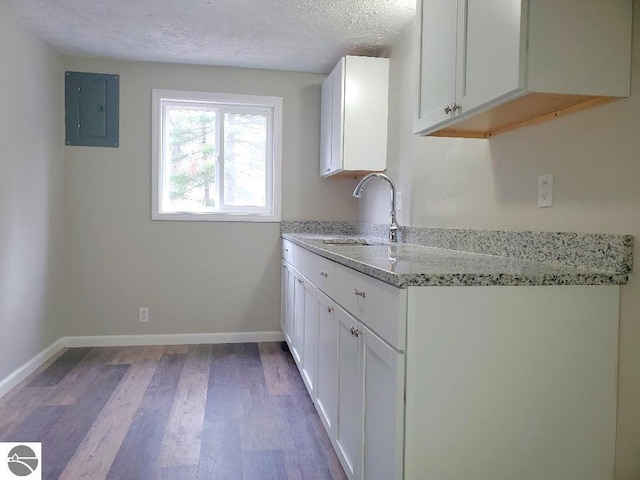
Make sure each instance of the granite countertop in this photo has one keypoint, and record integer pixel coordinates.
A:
(405, 264)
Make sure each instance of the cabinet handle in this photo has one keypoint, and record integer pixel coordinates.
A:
(300, 281)
(323, 274)
(330, 309)
(328, 169)
(355, 331)
(284, 266)
(286, 249)
(452, 108)
(359, 293)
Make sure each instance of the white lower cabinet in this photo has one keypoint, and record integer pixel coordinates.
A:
(369, 436)
(450, 383)
(383, 369)
(349, 434)
(297, 347)
(287, 302)
(310, 336)
(326, 393)
(354, 377)
(283, 298)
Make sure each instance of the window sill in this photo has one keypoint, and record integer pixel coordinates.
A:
(216, 217)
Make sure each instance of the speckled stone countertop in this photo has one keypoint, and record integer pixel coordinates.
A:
(410, 264)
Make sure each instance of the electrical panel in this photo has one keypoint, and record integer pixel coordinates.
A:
(92, 109)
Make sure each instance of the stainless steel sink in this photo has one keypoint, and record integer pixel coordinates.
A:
(345, 241)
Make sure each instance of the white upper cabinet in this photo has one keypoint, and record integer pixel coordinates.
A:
(490, 40)
(354, 111)
(489, 66)
(438, 65)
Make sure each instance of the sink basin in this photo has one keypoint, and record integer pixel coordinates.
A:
(345, 241)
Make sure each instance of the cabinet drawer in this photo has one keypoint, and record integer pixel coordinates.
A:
(287, 250)
(379, 306)
(319, 270)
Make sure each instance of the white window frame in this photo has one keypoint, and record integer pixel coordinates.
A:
(223, 102)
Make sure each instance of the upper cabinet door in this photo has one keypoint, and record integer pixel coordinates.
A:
(490, 51)
(337, 116)
(438, 62)
(326, 126)
(331, 121)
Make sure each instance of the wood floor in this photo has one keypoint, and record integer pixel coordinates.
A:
(222, 412)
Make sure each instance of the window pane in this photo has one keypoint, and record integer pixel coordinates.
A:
(245, 147)
(190, 168)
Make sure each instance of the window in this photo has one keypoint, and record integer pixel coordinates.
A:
(216, 156)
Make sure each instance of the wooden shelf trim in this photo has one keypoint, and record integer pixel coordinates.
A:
(530, 109)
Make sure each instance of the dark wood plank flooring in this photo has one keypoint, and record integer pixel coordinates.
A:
(185, 412)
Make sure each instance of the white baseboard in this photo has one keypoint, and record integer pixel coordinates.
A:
(171, 339)
(30, 366)
(18, 375)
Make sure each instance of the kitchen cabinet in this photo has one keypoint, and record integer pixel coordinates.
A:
(310, 343)
(286, 318)
(326, 394)
(511, 382)
(384, 381)
(287, 290)
(450, 382)
(353, 122)
(297, 347)
(487, 67)
(300, 310)
(370, 403)
(355, 378)
(349, 434)
(299, 322)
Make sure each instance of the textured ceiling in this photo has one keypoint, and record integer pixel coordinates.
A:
(299, 35)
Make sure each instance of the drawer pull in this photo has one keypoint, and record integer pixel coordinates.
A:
(323, 274)
(359, 293)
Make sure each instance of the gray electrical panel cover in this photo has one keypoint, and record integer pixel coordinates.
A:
(92, 109)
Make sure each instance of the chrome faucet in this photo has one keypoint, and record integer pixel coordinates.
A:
(393, 225)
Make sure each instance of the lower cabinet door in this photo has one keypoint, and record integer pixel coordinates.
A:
(383, 410)
(349, 434)
(288, 285)
(310, 334)
(326, 393)
(298, 318)
(283, 299)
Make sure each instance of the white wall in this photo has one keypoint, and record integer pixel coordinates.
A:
(196, 277)
(492, 184)
(31, 181)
